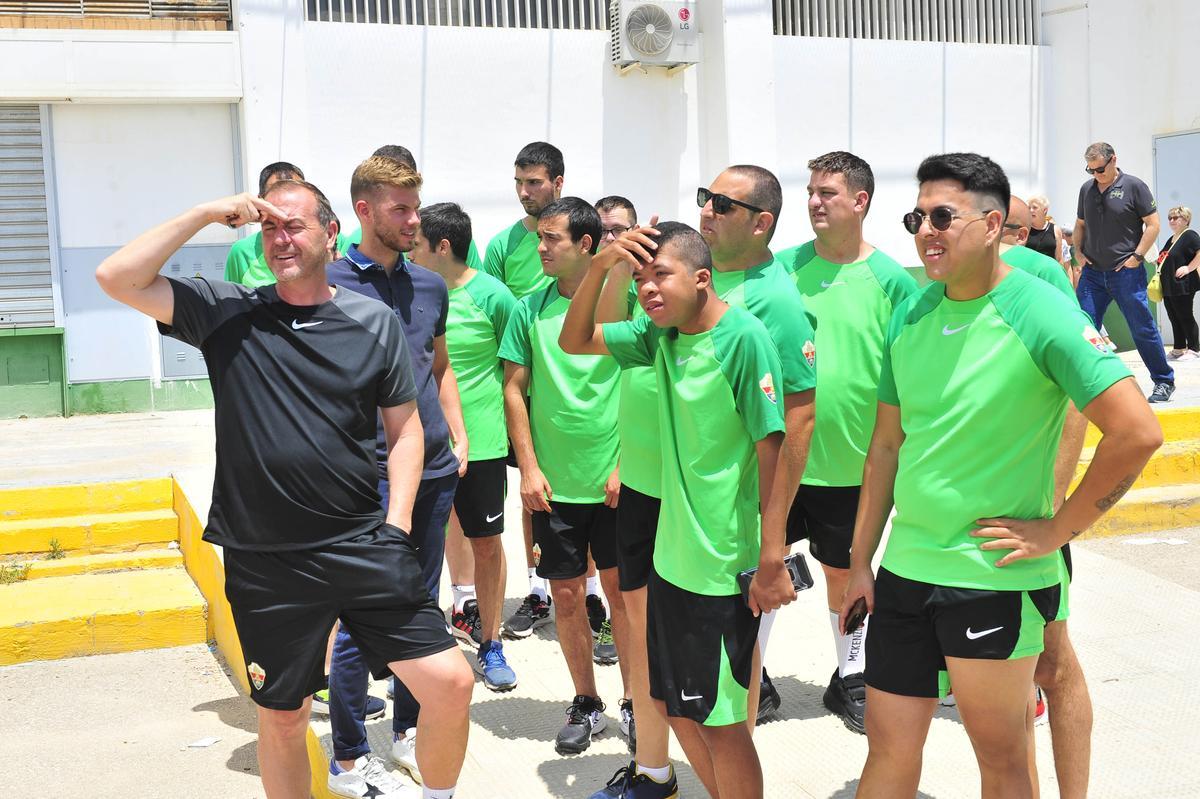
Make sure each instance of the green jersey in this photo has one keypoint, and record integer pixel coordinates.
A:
(1042, 266)
(246, 264)
(716, 399)
(982, 386)
(637, 427)
(852, 304)
(572, 399)
(513, 259)
(472, 253)
(767, 292)
(477, 315)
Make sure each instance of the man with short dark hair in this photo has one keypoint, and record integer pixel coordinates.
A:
(852, 288)
(565, 440)
(386, 195)
(1116, 226)
(299, 372)
(971, 573)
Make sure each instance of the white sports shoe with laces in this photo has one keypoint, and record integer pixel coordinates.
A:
(369, 777)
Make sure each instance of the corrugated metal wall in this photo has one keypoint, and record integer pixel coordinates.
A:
(26, 293)
(559, 14)
(967, 21)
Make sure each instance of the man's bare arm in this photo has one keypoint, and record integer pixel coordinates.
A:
(1069, 448)
(536, 491)
(405, 461)
(451, 402)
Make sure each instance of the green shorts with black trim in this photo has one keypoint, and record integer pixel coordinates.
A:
(916, 626)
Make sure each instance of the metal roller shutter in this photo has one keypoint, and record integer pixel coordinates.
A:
(26, 293)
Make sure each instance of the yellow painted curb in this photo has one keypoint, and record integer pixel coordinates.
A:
(1175, 463)
(105, 562)
(97, 532)
(1177, 425)
(87, 498)
(1150, 510)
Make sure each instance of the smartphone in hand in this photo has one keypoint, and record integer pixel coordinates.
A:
(856, 617)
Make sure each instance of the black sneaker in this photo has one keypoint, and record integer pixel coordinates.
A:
(604, 650)
(533, 613)
(768, 700)
(627, 783)
(597, 613)
(466, 623)
(847, 698)
(626, 723)
(585, 718)
(1162, 392)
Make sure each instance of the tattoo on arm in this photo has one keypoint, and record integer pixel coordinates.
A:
(1076, 533)
(1113, 497)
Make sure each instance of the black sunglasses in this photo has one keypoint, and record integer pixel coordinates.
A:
(722, 204)
(940, 218)
(1092, 171)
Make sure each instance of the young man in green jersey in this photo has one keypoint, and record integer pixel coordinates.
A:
(738, 214)
(716, 371)
(479, 309)
(977, 370)
(562, 415)
(851, 288)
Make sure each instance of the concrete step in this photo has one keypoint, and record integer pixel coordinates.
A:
(1178, 425)
(86, 498)
(93, 614)
(1175, 463)
(1145, 510)
(92, 533)
(105, 562)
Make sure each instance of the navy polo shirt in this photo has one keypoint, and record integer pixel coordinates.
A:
(1113, 219)
(420, 299)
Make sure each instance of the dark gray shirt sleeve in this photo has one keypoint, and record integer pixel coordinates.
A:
(1143, 200)
(201, 306)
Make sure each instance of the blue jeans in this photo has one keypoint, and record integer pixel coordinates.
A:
(1128, 288)
(348, 672)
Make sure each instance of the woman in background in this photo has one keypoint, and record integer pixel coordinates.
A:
(1178, 261)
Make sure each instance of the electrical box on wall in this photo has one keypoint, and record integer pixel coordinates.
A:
(179, 359)
(654, 33)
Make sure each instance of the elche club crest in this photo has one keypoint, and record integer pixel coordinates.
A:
(810, 353)
(257, 676)
(1094, 338)
(767, 384)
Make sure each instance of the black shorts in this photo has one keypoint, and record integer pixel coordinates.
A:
(637, 526)
(825, 516)
(916, 626)
(701, 653)
(284, 605)
(479, 498)
(562, 538)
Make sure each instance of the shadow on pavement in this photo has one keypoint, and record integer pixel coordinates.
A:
(800, 699)
(848, 790)
(513, 717)
(244, 759)
(579, 776)
(236, 711)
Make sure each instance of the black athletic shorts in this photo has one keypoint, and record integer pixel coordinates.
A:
(284, 605)
(479, 498)
(825, 516)
(701, 653)
(916, 626)
(637, 526)
(562, 538)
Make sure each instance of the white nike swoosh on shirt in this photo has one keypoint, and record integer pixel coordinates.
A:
(494, 518)
(687, 698)
(297, 325)
(950, 331)
(973, 635)
(682, 361)
(825, 285)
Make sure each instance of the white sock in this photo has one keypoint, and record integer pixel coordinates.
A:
(851, 649)
(657, 774)
(537, 585)
(593, 586)
(437, 793)
(462, 594)
(765, 622)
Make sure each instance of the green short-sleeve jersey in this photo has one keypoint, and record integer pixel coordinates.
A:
(572, 399)
(767, 292)
(247, 265)
(982, 386)
(472, 251)
(1042, 266)
(475, 322)
(637, 426)
(716, 398)
(852, 304)
(512, 258)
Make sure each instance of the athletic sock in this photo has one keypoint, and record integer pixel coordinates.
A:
(851, 649)
(593, 585)
(462, 595)
(438, 793)
(657, 774)
(537, 585)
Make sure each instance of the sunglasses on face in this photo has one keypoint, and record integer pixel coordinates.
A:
(1173, 218)
(614, 231)
(940, 218)
(720, 203)
(1094, 170)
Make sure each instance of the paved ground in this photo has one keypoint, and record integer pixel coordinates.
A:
(130, 717)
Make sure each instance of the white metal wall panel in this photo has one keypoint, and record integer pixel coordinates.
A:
(26, 291)
(960, 21)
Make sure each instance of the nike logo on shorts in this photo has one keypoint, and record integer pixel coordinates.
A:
(298, 325)
(950, 331)
(683, 695)
(491, 519)
(972, 635)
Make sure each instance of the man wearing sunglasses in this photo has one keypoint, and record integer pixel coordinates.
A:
(977, 371)
(738, 214)
(852, 288)
(1117, 225)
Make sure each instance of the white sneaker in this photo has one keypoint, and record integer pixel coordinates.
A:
(404, 754)
(1174, 355)
(369, 777)
(1189, 355)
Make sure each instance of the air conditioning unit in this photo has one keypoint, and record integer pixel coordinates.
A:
(655, 32)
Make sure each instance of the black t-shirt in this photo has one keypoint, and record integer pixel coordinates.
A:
(1181, 254)
(1043, 241)
(1113, 220)
(297, 390)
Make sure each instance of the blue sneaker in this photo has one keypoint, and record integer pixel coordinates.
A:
(497, 674)
(627, 783)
